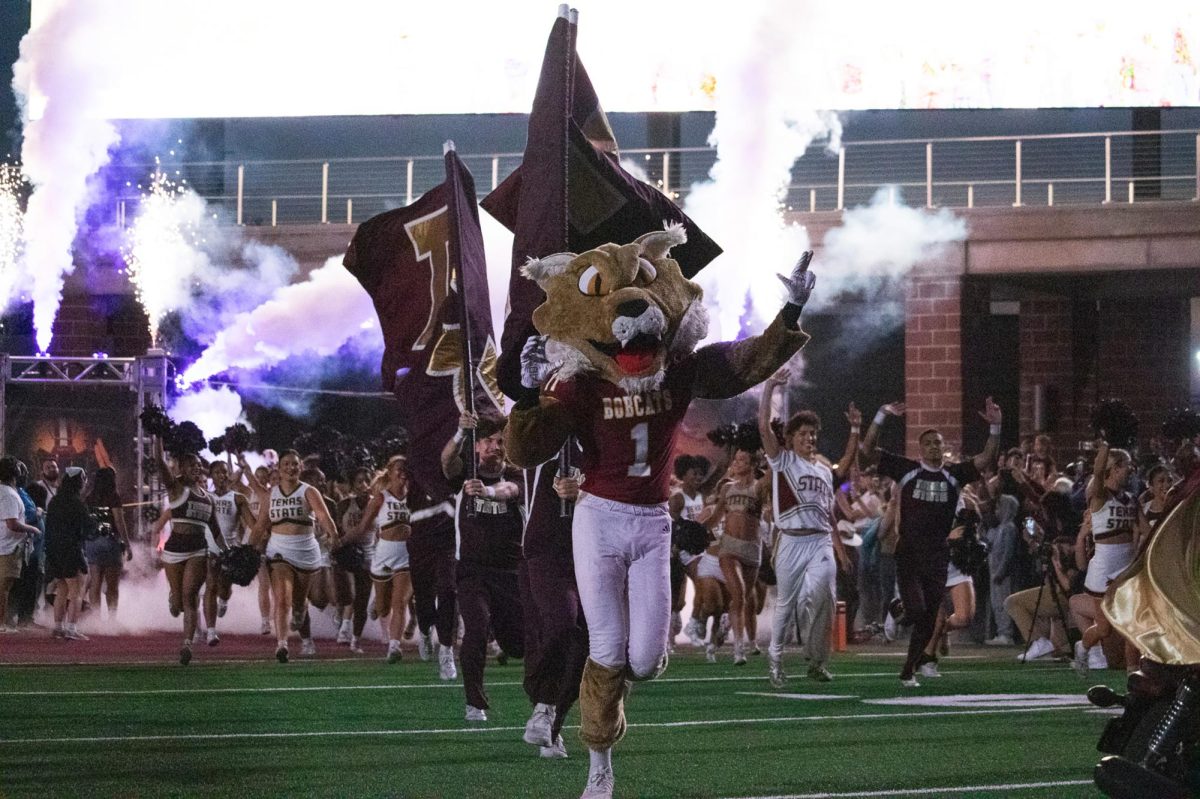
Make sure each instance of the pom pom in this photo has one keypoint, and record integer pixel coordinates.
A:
(216, 445)
(240, 564)
(723, 436)
(350, 557)
(155, 421)
(1181, 424)
(392, 441)
(184, 439)
(1115, 422)
(689, 536)
(747, 437)
(238, 438)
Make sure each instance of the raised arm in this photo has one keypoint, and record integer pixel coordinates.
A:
(174, 487)
(1095, 487)
(992, 415)
(869, 450)
(452, 459)
(854, 417)
(770, 445)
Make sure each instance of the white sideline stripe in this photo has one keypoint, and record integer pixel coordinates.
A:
(221, 736)
(450, 684)
(954, 790)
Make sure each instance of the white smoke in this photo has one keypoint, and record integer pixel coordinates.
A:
(315, 318)
(211, 409)
(762, 127)
(64, 68)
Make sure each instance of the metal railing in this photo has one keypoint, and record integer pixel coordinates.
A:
(964, 172)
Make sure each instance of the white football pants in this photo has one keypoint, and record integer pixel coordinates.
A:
(806, 575)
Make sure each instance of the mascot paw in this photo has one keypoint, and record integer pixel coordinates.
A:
(800, 284)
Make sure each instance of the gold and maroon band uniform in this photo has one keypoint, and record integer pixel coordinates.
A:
(556, 641)
(489, 595)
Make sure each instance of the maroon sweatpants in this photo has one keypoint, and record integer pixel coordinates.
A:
(556, 640)
(431, 565)
(489, 600)
(922, 582)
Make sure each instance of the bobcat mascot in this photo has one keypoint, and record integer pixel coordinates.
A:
(616, 367)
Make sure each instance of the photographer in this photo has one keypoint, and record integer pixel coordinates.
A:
(1042, 621)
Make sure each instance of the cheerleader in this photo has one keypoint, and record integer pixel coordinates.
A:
(185, 552)
(286, 532)
(257, 483)
(233, 517)
(388, 511)
(739, 509)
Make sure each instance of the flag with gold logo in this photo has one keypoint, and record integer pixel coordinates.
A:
(424, 267)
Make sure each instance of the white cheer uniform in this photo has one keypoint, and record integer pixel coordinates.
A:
(391, 556)
(298, 550)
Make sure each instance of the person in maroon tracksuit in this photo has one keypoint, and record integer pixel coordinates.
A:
(431, 563)
(489, 522)
(556, 640)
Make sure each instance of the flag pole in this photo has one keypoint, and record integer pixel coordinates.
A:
(566, 506)
(450, 158)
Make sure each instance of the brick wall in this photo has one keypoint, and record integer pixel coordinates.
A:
(933, 356)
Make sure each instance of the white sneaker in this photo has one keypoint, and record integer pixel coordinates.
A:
(694, 632)
(424, 646)
(929, 669)
(213, 638)
(739, 654)
(889, 629)
(346, 631)
(911, 682)
(222, 606)
(308, 647)
(1096, 658)
(72, 634)
(999, 640)
(537, 729)
(1080, 662)
(1038, 649)
(394, 654)
(265, 629)
(775, 673)
(446, 669)
(354, 645)
(554, 752)
(475, 714)
(599, 785)
(710, 653)
(493, 649)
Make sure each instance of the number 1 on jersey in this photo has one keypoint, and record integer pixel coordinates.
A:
(641, 452)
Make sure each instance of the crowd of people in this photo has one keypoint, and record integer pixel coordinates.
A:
(1004, 546)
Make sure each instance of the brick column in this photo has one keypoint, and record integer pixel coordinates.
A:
(933, 356)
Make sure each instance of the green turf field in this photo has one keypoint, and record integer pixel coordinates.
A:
(362, 728)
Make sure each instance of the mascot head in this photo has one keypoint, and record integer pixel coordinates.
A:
(623, 311)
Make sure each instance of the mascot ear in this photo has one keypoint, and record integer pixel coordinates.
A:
(658, 244)
(539, 269)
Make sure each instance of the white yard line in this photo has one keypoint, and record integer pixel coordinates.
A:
(476, 730)
(951, 790)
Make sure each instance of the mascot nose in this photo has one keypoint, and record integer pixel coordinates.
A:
(632, 308)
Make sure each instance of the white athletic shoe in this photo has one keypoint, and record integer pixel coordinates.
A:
(739, 654)
(424, 646)
(1080, 661)
(199, 634)
(346, 631)
(308, 647)
(929, 669)
(222, 606)
(599, 785)
(213, 638)
(710, 653)
(555, 752)
(475, 714)
(354, 645)
(1038, 649)
(695, 632)
(537, 729)
(889, 629)
(775, 673)
(999, 640)
(265, 629)
(394, 654)
(446, 669)
(73, 634)
(911, 682)
(1096, 658)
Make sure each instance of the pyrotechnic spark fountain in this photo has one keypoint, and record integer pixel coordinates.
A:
(162, 246)
(12, 234)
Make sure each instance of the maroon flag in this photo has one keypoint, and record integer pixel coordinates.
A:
(424, 267)
(571, 194)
